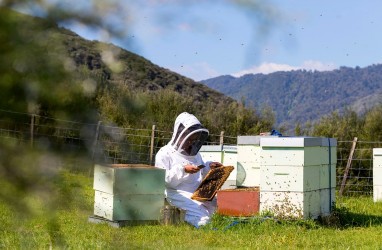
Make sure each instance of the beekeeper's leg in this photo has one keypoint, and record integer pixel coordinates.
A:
(197, 213)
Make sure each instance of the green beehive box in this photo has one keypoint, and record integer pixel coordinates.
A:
(128, 207)
(128, 192)
(129, 179)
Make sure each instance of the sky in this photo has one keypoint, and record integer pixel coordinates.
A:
(206, 39)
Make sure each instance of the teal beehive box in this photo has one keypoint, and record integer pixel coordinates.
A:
(128, 192)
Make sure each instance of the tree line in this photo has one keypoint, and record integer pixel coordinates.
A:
(300, 96)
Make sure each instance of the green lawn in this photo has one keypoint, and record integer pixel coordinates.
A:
(62, 222)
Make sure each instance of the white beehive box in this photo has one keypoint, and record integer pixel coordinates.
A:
(230, 159)
(297, 151)
(297, 178)
(291, 204)
(128, 192)
(290, 178)
(248, 157)
(298, 171)
(225, 154)
(211, 153)
(377, 174)
(302, 205)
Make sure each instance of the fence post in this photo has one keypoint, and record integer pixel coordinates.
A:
(348, 166)
(152, 144)
(32, 129)
(221, 137)
(96, 139)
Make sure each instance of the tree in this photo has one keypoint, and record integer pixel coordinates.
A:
(372, 129)
(38, 78)
(343, 127)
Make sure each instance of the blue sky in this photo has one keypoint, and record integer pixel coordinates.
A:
(205, 39)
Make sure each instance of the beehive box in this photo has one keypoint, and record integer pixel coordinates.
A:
(128, 192)
(230, 159)
(291, 204)
(327, 200)
(211, 153)
(327, 177)
(302, 205)
(377, 174)
(248, 157)
(297, 178)
(298, 151)
(298, 175)
(225, 154)
(238, 202)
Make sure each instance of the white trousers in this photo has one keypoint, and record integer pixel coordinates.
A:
(197, 213)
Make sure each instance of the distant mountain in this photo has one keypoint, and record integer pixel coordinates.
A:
(301, 96)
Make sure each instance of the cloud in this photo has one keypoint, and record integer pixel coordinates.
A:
(267, 67)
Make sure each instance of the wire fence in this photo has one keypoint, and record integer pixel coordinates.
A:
(355, 171)
(108, 143)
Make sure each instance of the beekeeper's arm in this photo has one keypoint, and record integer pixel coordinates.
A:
(175, 171)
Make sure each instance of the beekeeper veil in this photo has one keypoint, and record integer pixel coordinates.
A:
(189, 134)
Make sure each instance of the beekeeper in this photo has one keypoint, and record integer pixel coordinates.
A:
(181, 158)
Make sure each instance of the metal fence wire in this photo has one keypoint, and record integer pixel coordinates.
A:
(108, 143)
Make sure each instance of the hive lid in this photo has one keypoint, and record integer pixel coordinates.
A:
(297, 142)
(211, 183)
(230, 148)
(248, 139)
(377, 151)
(211, 148)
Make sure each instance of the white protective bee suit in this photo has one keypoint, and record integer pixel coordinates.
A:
(181, 151)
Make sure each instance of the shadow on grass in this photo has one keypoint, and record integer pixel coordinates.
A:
(343, 218)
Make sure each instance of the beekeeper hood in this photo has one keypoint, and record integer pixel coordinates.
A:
(189, 134)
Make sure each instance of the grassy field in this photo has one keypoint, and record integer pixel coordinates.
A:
(357, 224)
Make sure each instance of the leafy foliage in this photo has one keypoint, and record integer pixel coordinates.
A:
(345, 127)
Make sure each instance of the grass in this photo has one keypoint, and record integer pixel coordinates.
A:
(62, 222)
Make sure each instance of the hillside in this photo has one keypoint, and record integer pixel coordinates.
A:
(132, 70)
(301, 96)
(54, 72)
(105, 61)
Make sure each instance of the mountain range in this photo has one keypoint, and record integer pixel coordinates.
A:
(298, 97)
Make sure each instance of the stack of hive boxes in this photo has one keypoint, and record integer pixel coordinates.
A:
(377, 174)
(132, 193)
(238, 200)
(297, 176)
(248, 156)
(244, 200)
(225, 154)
